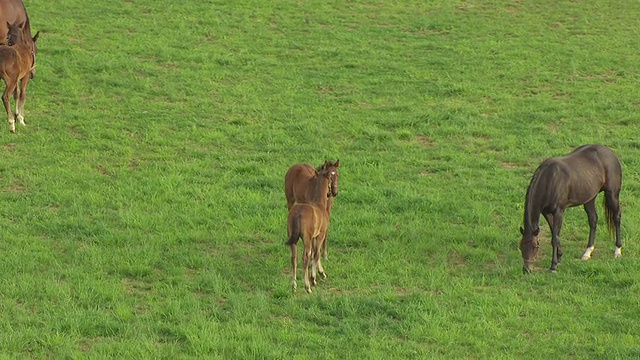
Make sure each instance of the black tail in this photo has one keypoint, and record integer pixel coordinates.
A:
(294, 226)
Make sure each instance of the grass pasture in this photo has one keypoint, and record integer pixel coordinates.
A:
(142, 208)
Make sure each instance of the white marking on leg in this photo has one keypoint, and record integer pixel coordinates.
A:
(617, 253)
(587, 253)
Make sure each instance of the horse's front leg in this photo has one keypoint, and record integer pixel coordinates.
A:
(323, 245)
(590, 209)
(11, 85)
(22, 97)
(556, 225)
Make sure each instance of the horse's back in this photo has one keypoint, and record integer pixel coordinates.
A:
(296, 181)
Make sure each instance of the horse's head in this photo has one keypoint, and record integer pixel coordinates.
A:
(529, 246)
(331, 170)
(14, 34)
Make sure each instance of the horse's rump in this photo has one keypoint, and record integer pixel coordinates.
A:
(297, 181)
(306, 220)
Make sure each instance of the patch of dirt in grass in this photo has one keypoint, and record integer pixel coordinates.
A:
(455, 260)
(10, 146)
(424, 141)
(510, 165)
(17, 188)
(103, 170)
(87, 344)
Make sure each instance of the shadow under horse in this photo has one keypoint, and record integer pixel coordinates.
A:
(298, 186)
(566, 181)
(309, 220)
(17, 63)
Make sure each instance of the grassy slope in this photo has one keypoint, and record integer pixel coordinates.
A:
(143, 213)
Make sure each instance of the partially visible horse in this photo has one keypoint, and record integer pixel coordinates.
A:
(309, 220)
(16, 65)
(297, 185)
(13, 12)
(566, 181)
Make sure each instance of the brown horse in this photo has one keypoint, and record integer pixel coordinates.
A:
(16, 65)
(297, 185)
(566, 181)
(310, 221)
(13, 12)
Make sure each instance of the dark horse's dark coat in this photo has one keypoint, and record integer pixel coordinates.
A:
(566, 181)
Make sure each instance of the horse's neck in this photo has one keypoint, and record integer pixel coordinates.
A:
(533, 206)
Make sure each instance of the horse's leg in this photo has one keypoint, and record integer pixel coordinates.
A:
(590, 208)
(306, 258)
(16, 98)
(294, 265)
(22, 95)
(11, 85)
(612, 199)
(315, 253)
(324, 243)
(23, 98)
(549, 218)
(555, 240)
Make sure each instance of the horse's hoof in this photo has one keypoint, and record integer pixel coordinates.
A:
(324, 275)
(617, 253)
(553, 271)
(585, 257)
(308, 290)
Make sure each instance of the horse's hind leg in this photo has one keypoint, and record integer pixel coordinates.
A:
(590, 209)
(294, 265)
(306, 259)
(612, 203)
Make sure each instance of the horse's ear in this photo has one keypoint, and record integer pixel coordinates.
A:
(35, 38)
(536, 232)
(337, 163)
(521, 230)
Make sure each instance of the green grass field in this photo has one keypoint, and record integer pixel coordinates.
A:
(143, 212)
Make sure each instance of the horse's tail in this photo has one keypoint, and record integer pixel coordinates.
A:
(294, 229)
(610, 214)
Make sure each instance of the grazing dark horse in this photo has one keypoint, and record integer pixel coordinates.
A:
(309, 221)
(297, 185)
(16, 65)
(566, 181)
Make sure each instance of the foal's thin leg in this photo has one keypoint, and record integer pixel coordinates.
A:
(555, 240)
(322, 246)
(22, 96)
(294, 265)
(11, 85)
(306, 258)
(315, 253)
(590, 208)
